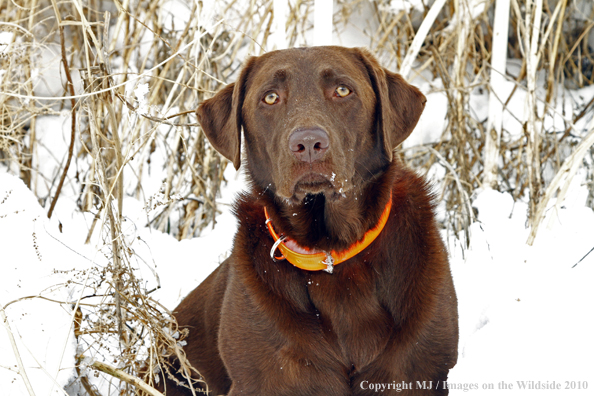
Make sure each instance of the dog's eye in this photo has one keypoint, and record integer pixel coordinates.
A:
(271, 98)
(342, 91)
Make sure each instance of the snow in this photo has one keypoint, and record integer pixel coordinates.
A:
(141, 97)
(41, 264)
(523, 310)
(34, 264)
(434, 117)
(396, 6)
(51, 153)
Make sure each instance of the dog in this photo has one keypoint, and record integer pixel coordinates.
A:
(338, 282)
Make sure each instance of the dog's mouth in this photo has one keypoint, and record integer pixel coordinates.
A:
(313, 183)
(300, 181)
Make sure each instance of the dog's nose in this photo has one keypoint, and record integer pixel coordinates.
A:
(309, 144)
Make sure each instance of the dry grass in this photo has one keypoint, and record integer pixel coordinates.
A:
(457, 49)
(122, 135)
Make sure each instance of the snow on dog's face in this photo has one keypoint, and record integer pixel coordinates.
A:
(317, 120)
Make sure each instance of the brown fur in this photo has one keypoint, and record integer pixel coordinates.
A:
(387, 315)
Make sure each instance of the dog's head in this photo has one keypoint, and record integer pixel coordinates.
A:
(315, 120)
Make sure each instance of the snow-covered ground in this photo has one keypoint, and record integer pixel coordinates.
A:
(526, 312)
(45, 267)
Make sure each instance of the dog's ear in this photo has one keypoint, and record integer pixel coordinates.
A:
(221, 120)
(399, 104)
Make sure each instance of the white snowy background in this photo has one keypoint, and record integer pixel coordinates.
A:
(526, 312)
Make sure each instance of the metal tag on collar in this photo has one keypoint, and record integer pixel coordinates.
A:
(329, 262)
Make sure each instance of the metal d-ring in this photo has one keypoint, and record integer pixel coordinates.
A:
(274, 247)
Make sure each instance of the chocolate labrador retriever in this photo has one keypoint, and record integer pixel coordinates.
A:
(338, 282)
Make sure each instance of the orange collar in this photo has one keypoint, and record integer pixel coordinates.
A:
(324, 260)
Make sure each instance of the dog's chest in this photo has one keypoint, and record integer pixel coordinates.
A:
(351, 315)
